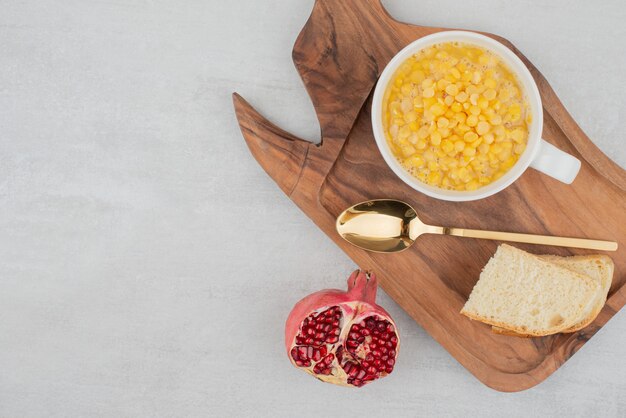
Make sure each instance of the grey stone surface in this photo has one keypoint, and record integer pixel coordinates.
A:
(147, 263)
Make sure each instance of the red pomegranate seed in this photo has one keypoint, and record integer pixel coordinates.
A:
(352, 344)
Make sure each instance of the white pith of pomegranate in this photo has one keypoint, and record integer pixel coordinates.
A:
(343, 337)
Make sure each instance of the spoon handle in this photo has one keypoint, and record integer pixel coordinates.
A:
(591, 244)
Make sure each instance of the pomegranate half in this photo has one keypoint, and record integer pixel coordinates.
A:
(343, 337)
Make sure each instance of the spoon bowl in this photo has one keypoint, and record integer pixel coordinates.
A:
(377, 225)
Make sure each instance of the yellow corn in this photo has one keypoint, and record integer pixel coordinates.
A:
(446, 114)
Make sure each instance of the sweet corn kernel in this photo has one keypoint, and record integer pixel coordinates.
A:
(482, 128)
(518, 136)
(472, 185)
(468, 151)
(437, 109)
(470, 136)
(435, 138)
(490, 94)
(442, 84)
(495, 119)
(447, 146)
(434, 178)
(456, 107)
(408, 150)
(455, 116)
(415, 161)
(410, 116)
(476, 143)
(461, 97)
(404, 132)
(452, 89)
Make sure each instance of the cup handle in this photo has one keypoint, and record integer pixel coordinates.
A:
(556, 163)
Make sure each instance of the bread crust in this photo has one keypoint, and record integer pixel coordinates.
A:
(516, 330)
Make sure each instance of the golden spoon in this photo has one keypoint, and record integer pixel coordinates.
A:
(388, 226)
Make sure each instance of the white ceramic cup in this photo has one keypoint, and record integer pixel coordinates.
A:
(539, 154)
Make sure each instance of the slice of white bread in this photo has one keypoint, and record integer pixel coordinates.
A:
(525, 294)
(598, 267)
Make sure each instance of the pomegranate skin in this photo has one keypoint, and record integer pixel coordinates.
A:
(357, 338)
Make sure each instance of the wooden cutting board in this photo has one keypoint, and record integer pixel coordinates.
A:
(339, 54)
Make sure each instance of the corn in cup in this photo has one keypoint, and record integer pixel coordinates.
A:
(455, 116)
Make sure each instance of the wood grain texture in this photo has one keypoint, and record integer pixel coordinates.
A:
(339, 54)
